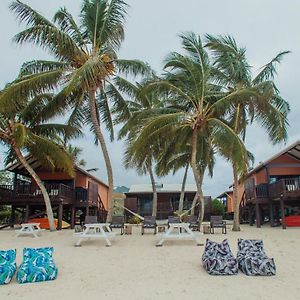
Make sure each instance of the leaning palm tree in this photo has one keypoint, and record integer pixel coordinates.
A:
(85, 59)
(195, 110)
(267, 108)
(23, 131)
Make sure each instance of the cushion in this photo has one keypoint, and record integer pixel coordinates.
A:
(218, 259)
(253, 260)
(37, 265)
(7, 265)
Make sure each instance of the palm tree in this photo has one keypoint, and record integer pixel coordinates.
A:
(22, 129)
(133, 114)
(85, 59)
(75, 153)
(267, 108)
(195, 110)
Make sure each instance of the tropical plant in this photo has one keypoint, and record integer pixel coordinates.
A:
(195, 111)
(22, 130)
(85, 59)
(217, 207)
(5, 177)
(233, 71)
(75, 153)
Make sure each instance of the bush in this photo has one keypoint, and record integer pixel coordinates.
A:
(217, 207)
(134, 220)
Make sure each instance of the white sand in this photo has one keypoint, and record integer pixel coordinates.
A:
(133, 268)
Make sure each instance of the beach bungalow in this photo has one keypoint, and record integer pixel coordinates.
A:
(139, 199)
(71, 197)
(272, 189)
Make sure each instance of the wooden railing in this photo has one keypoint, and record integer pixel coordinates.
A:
(81, 194)
(284, 186)
(262, 190)
(53, 190)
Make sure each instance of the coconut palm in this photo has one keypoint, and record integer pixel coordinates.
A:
(132, 115)
(85, 59)
(23, 131)
(195, 110)
(234, 72)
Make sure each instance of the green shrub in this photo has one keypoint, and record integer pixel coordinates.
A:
(217, 207)
(134, 220)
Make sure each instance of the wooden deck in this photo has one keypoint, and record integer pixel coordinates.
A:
(267, 197)
(28, 199)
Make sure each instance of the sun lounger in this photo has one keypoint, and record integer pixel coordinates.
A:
(37, 265)
(218, 259)
(253, 260)
(149, 223)
(7, 265)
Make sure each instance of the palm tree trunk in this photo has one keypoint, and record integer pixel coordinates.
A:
(236, 216)
(181, 199)
(198, 177)
(154, 201)
(100, 138)
(40, 185)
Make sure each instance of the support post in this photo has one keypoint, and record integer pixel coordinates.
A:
(282, 213)
(60, 216)
(12, 216)
(72, 217)
(27, 213)
(257, 211)
(271, 208)
(250, 215)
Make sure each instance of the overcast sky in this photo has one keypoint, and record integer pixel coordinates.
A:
(264, 27)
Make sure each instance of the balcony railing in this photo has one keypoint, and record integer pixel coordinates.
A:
(262, 190)
(29, 190)
(273, 190)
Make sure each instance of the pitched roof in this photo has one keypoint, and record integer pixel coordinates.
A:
(292, 151)
(17, 167)
(163, 188)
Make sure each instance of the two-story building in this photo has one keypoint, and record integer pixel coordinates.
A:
(271, 191)
(71, 197)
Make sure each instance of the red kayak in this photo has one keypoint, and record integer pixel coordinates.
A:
(292, 221)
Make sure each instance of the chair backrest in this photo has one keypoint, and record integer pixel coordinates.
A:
(90, 220)
(216, 220)
(192, 219)
(174, 219)
(149, 220)
(118, 220)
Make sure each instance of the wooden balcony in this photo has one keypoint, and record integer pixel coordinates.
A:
(31, 194)
(286, 188)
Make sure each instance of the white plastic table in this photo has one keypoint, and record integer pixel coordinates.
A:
(179, 231)
(95, 231)
(29, 229)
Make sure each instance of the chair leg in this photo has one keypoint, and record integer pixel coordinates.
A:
(142, 230)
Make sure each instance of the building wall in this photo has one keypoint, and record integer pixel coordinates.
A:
(229, 202)
(47, 175)
(81, 180)
(103, 192)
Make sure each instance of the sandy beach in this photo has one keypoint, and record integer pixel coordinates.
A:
(133, 268)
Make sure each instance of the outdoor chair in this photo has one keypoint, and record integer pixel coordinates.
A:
(194, 223)
(173, 219)
(7, 265)
(90, 220)
(38, 265)
(217, 222)
(253, 260)
(118, 222)
(218, 259)
(149, 223)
